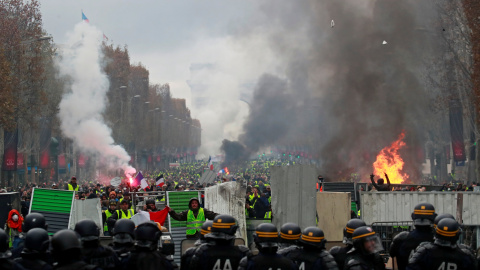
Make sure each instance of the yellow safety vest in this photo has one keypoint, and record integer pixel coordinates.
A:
(195, 224)
(268, 215)
(107, 215)
(122, 215)
(70, 187)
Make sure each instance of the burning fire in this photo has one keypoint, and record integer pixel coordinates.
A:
(389, 161)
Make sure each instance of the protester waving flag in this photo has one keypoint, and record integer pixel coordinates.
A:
(160, 181)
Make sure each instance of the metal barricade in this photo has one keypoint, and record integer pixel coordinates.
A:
(388, 230)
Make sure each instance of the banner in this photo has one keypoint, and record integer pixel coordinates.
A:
(62, 164)
(81, 160)
(10, 151)
(44, 159)
(456, 131)
(20, 160)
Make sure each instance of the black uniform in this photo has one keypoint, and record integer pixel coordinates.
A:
(103, 257)
(308, 258)
(34, 261)
(340, 254)
(357, 261)
(266, 262)
(405, 243)
(432, 256)
(145, 259)
(217, 255)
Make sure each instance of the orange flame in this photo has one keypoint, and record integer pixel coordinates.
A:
(390, 162)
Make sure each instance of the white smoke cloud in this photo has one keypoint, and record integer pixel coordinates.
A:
(84, 101)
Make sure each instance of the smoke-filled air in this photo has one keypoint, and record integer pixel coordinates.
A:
(349, 82)
(84, 100)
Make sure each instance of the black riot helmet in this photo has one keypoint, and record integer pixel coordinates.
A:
(352, 224)
(88, 230)
(423, 214)
(206, 228)
(313, 237)
(224, 227)
(123, 231)
(447, 232)
(366, 240)
(4, 252)
(34, 220)
(124, 226)
(147, 235)
(65, 240)
(440, 217)
(290, 233)
(36, 241)
(266, 238)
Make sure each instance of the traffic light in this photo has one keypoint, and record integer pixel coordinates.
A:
(290, 155)
(264, 154)
(283, 154)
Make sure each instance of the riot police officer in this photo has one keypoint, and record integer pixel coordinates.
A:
(5, 254)
(443, 253)
(405, 243)
(123, 239)
(312, 253)
(145, 255)
(266, 241)
(67, 251)
(93, 252)
(289, 236)
(35, 254)
(220, 251)
(187, 256)
(364, 255)
(440, 217)
(32, 220)
(340, 253)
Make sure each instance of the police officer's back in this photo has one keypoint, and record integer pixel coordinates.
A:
(443, 253)
(364, 255)
(220, 251)
(405, 243)
(340, 253)
(289, 235)
(32, 220)
(187, 256)
(123, 239)
(146, 255)
(5, 254)
(266, 241)
(67, 252)
(35, 254)
(312, 253)
(93, 252)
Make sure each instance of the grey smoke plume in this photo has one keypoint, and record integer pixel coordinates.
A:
(343, 95)
(84, 101)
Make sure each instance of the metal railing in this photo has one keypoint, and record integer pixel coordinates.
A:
(388, 230)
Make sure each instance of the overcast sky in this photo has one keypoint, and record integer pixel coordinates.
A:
(165, 35)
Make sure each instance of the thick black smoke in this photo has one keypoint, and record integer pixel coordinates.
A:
(345, 94)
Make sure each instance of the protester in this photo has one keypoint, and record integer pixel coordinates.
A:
(13, 227)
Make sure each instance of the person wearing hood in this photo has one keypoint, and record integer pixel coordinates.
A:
(195, 216)
(13, 227)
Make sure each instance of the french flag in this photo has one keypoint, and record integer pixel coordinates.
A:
(144, 216)
(84, 18)
(139, 180)
(210, 163)
(160, 181)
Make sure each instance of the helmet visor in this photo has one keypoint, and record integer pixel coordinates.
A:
(372, 244)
